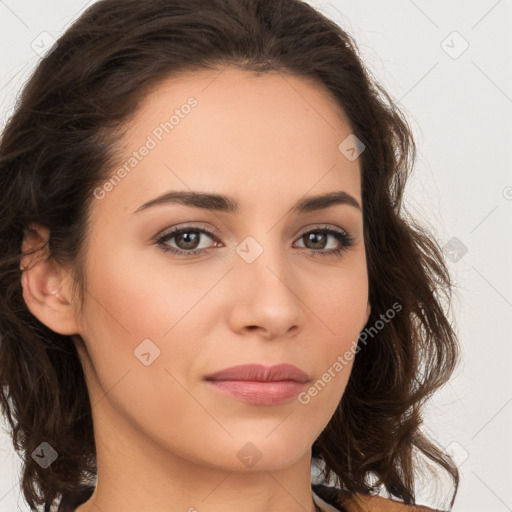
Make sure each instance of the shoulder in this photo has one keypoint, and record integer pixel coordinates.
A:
(346, 502)
(365, 503)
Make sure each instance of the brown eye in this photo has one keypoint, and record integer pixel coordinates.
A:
(187, 240)
(317, 239)
(314, 240)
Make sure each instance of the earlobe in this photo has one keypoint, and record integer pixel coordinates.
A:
(43, 282)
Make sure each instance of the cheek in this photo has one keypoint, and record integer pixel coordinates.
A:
(341, 314)
(137, 299)
(341, 300)
(144, 323)
(137, 314)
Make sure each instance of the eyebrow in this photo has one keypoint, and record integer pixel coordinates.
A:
(228, 204)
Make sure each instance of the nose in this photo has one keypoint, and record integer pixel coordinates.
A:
(267, 299)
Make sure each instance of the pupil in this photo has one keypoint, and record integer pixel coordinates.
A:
(193, 237)
(313, 236)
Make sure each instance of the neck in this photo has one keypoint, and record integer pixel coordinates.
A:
(136, 473)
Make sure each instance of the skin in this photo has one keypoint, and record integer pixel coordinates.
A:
(165, 440)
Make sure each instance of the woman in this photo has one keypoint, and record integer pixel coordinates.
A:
(207, 282)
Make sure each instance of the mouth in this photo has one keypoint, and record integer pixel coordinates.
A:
(259, 384)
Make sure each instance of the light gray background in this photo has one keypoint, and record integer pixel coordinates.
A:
(459, 107)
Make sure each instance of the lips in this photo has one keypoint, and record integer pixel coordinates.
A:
(260, 373)
(257, 384)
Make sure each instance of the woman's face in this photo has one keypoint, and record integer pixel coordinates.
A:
(263, 285)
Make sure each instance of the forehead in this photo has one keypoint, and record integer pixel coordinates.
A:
(231, 131)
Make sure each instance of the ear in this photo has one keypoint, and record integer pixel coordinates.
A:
(46, 285)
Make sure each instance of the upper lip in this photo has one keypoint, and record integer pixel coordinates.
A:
(259, 372)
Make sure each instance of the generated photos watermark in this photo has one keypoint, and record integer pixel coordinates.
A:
(152, 140)
(344, 359)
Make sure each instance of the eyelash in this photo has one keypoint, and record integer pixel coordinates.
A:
(344, 238)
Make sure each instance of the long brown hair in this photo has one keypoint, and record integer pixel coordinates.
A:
(60, 142)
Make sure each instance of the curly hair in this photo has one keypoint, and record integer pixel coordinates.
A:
(57, 147)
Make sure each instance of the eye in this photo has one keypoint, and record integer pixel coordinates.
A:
(320, 236)
(187, 240)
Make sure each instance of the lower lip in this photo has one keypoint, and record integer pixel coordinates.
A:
(257, 392)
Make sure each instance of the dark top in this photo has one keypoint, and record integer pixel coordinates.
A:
(70, 502)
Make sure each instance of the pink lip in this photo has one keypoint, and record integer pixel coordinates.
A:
(259, 384)
(260, 373)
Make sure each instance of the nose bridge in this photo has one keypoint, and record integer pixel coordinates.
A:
(263, 258)
(264, 279)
